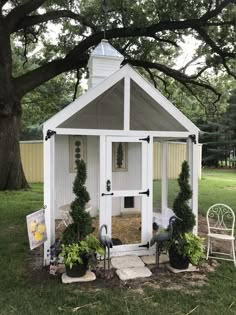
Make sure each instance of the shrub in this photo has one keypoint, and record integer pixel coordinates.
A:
(82, 221)
(181, 207)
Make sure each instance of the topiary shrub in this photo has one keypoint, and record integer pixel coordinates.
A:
(82, 221)
(181, 206)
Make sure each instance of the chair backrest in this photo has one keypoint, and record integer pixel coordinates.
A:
(220, 219)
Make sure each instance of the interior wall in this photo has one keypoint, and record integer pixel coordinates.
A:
(128, 180)
(64, 179)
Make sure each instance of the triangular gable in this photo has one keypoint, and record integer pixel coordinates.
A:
(126, 71)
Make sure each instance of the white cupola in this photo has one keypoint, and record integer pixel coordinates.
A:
(103, 62)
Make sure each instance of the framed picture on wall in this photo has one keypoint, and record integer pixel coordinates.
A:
(119, 156)
(77, 151)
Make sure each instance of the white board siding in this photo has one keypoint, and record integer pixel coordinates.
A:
(65, 179)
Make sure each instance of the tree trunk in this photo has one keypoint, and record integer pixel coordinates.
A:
(11, 172)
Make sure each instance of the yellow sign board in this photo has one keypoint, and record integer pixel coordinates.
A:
(36, 228)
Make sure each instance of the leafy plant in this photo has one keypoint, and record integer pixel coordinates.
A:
(191, 246)
(75, 252)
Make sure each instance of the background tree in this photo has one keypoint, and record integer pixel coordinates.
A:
(148, 33)
(219, 137)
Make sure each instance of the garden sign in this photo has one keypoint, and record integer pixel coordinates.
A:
(36, 228)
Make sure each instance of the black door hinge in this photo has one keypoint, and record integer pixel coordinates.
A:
(147, 192)
(145, 139)
(145, 245)
(49, 134)
(193, 138)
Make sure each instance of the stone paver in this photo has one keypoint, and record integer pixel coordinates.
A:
(191, 268)
(89, 276)
(133, 273)
(126, 262)
(151, 260)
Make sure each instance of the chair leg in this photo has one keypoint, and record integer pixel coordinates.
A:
(233, 253)
(208, 247)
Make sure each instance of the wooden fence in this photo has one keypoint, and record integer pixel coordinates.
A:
(32, 159)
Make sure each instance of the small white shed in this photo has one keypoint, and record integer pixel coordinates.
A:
(113, 127)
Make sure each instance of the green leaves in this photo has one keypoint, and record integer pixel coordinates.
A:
(181, 207)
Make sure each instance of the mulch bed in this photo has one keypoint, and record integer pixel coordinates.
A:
(128, 231)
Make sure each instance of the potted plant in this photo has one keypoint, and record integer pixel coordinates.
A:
(79, 247)
(78, 256)
(185, 247)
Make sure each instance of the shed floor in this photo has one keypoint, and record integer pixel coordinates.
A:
(126, 228)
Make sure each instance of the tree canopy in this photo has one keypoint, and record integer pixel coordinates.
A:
(150, 34)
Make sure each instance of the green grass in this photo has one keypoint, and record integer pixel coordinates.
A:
(25, 291)
(216, 186)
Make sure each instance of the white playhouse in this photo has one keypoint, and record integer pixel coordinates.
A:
(113, 127)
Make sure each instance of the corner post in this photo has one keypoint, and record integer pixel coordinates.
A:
(164, 179)
(49, 193)
(192, 158)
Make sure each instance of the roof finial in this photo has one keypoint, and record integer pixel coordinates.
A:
(104, 10)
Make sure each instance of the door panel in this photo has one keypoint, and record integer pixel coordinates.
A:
(126, 186)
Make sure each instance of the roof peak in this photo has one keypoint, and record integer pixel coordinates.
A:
(104, 48)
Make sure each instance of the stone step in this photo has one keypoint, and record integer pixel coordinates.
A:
(126, 262)
(89, 276)
(133, 273)
(151, 260)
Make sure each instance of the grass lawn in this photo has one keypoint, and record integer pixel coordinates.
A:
(216, 186)
(23, 291)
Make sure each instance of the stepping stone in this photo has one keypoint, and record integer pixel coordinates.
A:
(126, 262)
(133, 273)
(190, 268)
(89, 276)
(151, 260)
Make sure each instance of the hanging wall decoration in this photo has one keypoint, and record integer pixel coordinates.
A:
(120, 156)
(77, 151)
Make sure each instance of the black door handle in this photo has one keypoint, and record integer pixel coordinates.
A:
(147, 192)
(111, 194)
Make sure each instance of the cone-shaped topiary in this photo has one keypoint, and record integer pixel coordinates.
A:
(181, 207)
(82, 225)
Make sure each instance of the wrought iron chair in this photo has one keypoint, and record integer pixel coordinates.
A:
(220, 222)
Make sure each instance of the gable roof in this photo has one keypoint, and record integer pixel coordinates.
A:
(149, 92)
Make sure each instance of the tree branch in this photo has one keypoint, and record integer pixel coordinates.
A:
(76, 58)
(217, 49)
(212, 13)
(21, 11)
(35, 78)
(2, 2)
(175, 74)
(51, 16)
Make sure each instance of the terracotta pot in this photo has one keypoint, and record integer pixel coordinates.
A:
(177, 261)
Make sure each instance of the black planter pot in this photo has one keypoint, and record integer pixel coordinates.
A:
(177, 261)
(76, 271)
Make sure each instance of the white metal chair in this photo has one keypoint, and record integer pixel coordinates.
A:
(220, 222)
